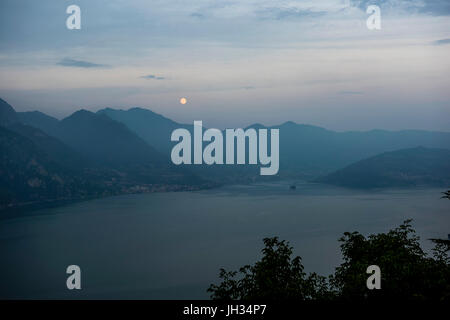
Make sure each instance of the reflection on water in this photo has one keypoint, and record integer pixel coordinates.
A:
(171, 245)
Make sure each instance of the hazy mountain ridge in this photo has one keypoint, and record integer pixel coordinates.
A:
(39, 120)
(121, 151)
(414, 167)
(60, 152)
(154, 128)
(110, 144)
(105, 141)
(28, 174)
(84, 155)
(7, 114)
(305, 150)
(322, 151)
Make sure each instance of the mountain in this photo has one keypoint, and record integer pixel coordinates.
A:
(150, 126)
(55, 149)
(35, 167)
(7, 114)
(402, 168)
(305, 150)
(60, 152)
(110, 144)
(319, 151)
(39, 120)
(105, 141)
(156, 130)
(29, 175)
(84, 155)
(97, 137)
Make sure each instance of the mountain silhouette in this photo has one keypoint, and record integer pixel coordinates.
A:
(39, 120)
(58, 151)
(317, 150)
(126, 151)
(402, 168)
(84, 155)
(105, 141)
(305, 150)
(156, 130)
(7, 114)
(150, 126)
(28, 174)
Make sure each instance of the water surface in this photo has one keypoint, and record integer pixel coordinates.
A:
(171, 245)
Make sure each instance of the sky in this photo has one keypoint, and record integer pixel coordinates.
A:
(236, 62)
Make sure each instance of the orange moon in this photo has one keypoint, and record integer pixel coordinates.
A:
(183, 100)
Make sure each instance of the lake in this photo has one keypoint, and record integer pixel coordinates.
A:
(171, 245)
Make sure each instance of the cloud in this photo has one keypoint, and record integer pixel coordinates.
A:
(437, 7)
(279, 13)
(266, 9)
(198, 15)
(441, 42)
(432, 7)
(153, 77)
(66, 62)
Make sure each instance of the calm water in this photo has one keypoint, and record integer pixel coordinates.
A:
(171, 245)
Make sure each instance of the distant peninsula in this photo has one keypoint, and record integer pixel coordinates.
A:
(413, 167)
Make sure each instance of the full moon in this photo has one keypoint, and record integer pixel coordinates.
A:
(183, 100)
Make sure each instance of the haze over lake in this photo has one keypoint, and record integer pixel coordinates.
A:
(171, 245)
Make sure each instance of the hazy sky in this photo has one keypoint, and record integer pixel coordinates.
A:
(236, 62)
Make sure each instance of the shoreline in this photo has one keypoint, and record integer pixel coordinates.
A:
(27, 208)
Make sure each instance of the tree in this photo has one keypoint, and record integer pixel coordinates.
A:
(442, 245)
(406, 270)
(277, 276)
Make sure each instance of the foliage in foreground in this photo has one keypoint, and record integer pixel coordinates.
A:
(407, 272)
(276, 276)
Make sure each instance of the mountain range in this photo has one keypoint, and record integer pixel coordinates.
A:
(82, 156)
(304, 149)
(116, 151)
(414, 167)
